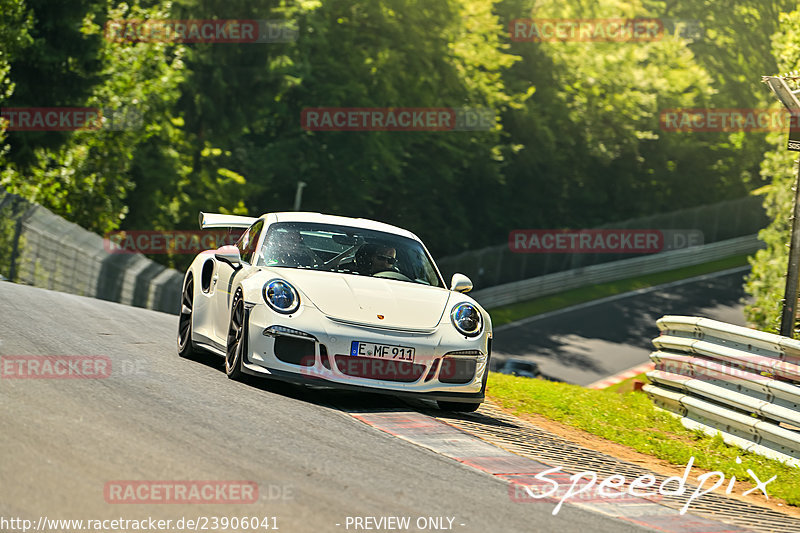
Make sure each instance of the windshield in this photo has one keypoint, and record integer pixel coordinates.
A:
(347, 250)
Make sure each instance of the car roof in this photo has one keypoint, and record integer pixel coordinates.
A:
(303, 216)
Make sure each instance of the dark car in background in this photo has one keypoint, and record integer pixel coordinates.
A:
(521, 368)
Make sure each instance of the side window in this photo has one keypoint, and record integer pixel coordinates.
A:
(248, 241)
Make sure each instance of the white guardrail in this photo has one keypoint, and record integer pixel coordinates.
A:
(528, 289)
(730, 379)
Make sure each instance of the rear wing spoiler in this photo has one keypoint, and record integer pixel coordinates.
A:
(217, 220)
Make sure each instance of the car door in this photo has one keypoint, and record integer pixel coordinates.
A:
(248, 246)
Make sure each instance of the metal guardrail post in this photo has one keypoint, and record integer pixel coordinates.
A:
(789, 98)
(790, 294)
(12, 269)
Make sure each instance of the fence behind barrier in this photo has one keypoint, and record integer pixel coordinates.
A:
(528, 289)
(497, 265)
(44, 250)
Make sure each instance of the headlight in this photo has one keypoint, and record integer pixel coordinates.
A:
(467, 319)
(281, 296)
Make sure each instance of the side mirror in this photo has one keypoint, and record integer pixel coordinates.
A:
(460, 283)
(229, 254)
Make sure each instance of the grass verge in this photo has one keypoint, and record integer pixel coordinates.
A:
(630, 419)
(627, 384)
(518, 311)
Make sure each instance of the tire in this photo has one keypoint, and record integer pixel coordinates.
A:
(237, 339)
(459, 407)
(185, 345)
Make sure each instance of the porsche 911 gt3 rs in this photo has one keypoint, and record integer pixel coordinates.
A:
(337, 302)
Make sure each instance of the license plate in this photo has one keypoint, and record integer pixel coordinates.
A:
(381, 351)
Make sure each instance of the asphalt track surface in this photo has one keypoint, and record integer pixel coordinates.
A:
(159, 417)
(591, 341)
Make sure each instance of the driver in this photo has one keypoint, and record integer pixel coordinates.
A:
(374, 258)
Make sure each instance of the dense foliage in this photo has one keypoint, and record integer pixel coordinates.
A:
(767, 280)
(216, 126)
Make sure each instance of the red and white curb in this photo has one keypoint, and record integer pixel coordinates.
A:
(622, 376)
(519, 472)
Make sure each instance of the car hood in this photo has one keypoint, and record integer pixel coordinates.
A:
(362, 299)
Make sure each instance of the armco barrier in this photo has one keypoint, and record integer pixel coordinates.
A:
(42, 249)
(527, 289)
(729, 379)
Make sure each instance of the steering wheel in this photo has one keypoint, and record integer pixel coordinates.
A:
(335, 261)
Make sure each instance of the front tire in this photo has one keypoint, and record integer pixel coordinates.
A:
(237, 340)
(459, 407)
(185, 345)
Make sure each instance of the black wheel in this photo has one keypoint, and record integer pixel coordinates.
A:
(236, 339)
(458, 406)
(185, 346)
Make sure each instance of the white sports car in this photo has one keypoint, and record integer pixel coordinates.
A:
(337, 302)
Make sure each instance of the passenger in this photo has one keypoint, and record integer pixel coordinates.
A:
(286, 248)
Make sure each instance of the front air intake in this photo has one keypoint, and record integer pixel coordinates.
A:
(294, 351)
(457, 370)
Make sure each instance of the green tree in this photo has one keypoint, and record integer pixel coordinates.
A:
(767, 280)
(87, 178)
(14, 39)
(247, 101)
(588, 147)
(59, 67)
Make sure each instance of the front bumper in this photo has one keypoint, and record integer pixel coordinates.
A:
(313, 349)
